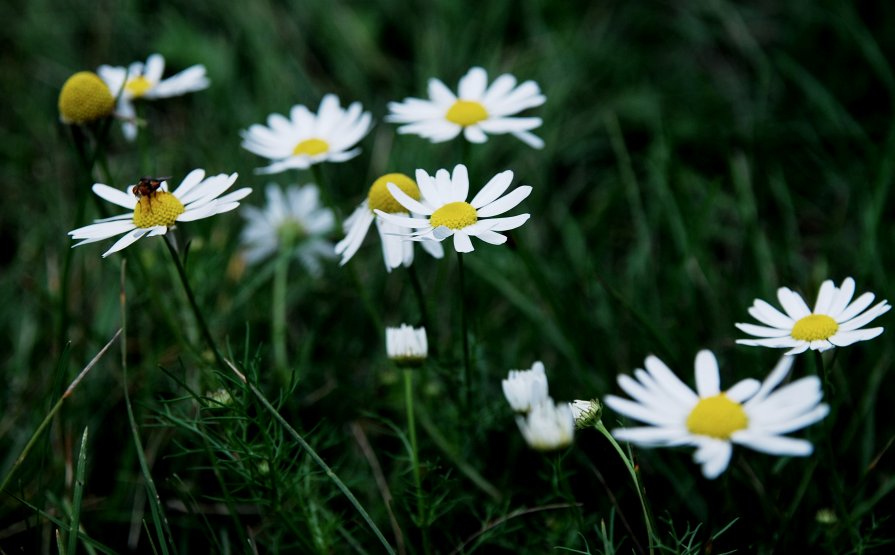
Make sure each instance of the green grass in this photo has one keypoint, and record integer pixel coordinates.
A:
(698, 155)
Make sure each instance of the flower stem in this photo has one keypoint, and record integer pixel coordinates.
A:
(647, 518)
(415, 459)
(420, 297)
(278, 314)
(181, 271)
(464, 331)
(822, 373)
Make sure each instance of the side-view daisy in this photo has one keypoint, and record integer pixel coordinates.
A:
(407, 346)
(750, 413)
(445, 210)
(548, 426)
(526, 388)
(305, 139)
(477, 110)
(155, 210)
(836, 321)
(294, 217)
(395, 250)
(141, 80)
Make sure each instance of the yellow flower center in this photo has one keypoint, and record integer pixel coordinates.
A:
(466, 112)
(455, 215)
(138, 86)
(84, 98)
(310, 147)
(379, 198)
(814, 327)
(717, 417)
(159, 208)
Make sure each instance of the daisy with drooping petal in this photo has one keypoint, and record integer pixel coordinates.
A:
(305, 139)
(292, 217)
(407, 346)
(395, 250)
(141, 80)
(477, 110)
(446, 212)
(836, 321)
(526, 388)
(154, 213)
(749, 413)
(548, 425)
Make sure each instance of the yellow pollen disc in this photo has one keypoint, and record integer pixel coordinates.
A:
(455, 215)
(814, 327)
(84, 98)
(466, 112)
(138, 86)
(380, 198)
(159, 208)
(310, 147)
(717, 417)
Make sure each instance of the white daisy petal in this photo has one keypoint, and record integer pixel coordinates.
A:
(462, 242)
(843, 295)
(825, 297)
(708, 381)
(856, 307)
(743, 390)
(762, 331)
(493, 189)
(127, 240)
(774, 445)
(866, 317)
(114, 196)
(505, 203)
(846, 338)
(652, 437)
(764, 312)
(792, 303)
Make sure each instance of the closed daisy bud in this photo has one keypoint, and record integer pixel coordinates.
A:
(406, 346)
(85, 98)
(586, 413)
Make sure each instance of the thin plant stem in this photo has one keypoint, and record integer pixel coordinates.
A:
(422, 524)
(418, 293)
(181, 271)
(822, 373)
(55, 409)
(647, 518)
(317, 459)
(278, 313)
(464, 332)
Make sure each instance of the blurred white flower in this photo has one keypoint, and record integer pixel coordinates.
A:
(548, 426)
(141, 80)
(305, 138)
(406, 345)
(446, 213)
(834, 322)
(476, 111)
(526, 388)
(396, 250)
(292, 217)
(748, 413)
(156, 210)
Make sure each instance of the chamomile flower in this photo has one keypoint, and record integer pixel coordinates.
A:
(446, 213)
(293, 217)
(526, 388)
(406, 345)
(157, 211)
(836, 321)
(144, 81)
(548, 426)
(477, 110)
(586, 413)
(395, 250)
(750, 413)
(85, 98)
(305, 139)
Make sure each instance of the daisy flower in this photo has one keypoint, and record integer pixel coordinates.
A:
(395, 250)
(836, 321)
(141, 80)
(526, 388)
(749, 413)
(306, 139)
(158, 210)
(85, 98)
(407, 346)
(586, 413)
(294, 217)
(476, 111)
(446, 212)
(548, 426)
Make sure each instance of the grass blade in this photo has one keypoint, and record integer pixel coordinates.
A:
(78, 495)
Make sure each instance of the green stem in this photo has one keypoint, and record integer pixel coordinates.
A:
(320, 462)
(420, 297)
(636, 481)
(278, 315)
(822, 373)
(464, 331)
(181, 271)
(422, 524)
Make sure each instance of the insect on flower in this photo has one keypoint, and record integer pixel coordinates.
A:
(146, 187)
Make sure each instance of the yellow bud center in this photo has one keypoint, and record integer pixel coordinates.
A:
(379, 197)
(84, 98)
(466, 112)
(310, 147)
(159, 208)
(138, 86)
(717, 417)
(455, 215)
(814, 327)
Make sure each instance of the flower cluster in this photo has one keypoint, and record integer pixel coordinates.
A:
(545, 425)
